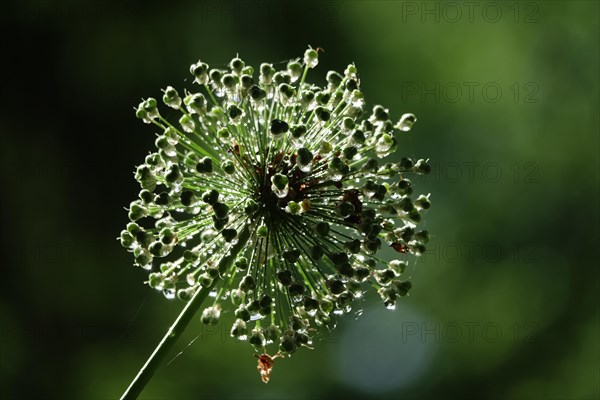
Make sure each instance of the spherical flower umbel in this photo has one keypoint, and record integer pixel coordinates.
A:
(271, 193)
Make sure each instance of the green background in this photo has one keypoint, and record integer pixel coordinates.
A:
(505, 301)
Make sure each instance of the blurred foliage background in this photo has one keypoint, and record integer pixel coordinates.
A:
(505, 301)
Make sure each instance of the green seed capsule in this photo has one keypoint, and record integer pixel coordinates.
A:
(322, 228)
(229, 234)
(242, 263)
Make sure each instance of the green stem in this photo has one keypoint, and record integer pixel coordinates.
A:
(191, 308)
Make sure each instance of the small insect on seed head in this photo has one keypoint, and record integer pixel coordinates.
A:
(400, 247)
(265, 364)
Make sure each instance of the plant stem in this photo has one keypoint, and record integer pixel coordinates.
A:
(191, 308)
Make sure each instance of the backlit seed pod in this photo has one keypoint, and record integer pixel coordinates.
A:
(269, 195)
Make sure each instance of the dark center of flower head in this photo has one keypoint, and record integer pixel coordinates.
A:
(270, 192)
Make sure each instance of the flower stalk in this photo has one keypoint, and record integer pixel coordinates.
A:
(174, 332)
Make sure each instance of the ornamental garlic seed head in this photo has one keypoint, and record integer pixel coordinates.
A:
(269, 191)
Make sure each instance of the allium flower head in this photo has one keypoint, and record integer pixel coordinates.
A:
(270, 192)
